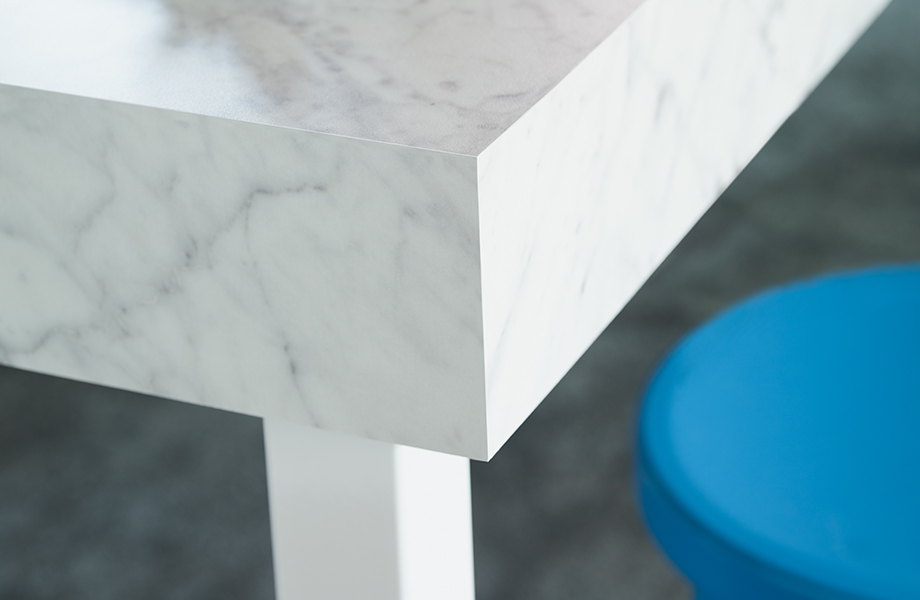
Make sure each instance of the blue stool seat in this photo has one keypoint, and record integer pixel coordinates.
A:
(778, 446)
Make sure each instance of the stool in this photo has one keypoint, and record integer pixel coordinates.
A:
(778, 446)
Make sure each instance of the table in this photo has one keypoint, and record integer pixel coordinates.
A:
(402, 222)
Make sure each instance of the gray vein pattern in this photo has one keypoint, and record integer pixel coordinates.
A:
(263, 270)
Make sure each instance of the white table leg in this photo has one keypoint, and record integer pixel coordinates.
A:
(356, 519)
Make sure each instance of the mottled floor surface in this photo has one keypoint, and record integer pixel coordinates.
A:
(112, 495)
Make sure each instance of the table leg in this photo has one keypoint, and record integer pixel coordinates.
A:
(357, 519)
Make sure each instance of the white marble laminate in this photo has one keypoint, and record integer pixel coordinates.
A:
(397, 219)
(585, 195)
(447, 75)
(263, 270)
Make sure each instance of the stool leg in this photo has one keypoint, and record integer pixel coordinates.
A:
(357, 519)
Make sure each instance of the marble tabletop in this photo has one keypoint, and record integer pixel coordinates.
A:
(444, 75)
(399, 219)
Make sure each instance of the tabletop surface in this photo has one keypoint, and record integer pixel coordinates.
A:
(214, 232)
(439, 74)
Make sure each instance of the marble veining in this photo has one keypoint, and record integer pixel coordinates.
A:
(262, 270)
(585, 195)
(449, 75)
(399, 219)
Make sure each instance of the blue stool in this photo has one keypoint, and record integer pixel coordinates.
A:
(779, 444)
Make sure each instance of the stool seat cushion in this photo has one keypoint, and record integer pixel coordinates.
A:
(779, 445)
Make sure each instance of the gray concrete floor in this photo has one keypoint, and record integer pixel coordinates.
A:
(105, 494)
(110, 495)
